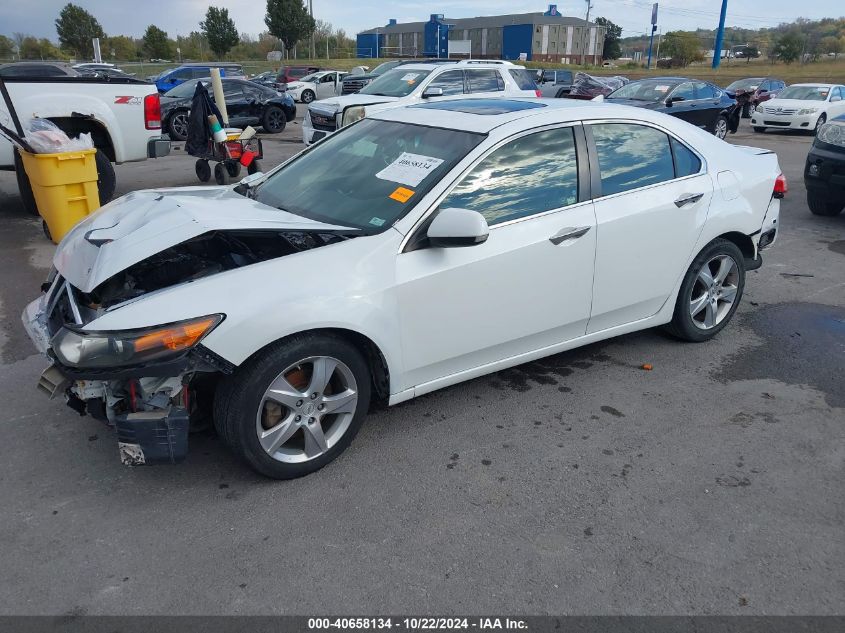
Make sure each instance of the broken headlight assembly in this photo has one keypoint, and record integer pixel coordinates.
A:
(122, 348)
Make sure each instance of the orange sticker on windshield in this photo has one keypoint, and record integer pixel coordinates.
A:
(401, 194)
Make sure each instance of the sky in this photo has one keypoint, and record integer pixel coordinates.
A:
(179, 17)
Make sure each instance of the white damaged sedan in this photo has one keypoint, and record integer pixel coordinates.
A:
(410, 251)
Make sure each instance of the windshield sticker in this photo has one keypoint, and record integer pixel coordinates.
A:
(377, 222)
(401, 194)
(409, 169)
(661, 88)
(410, 77)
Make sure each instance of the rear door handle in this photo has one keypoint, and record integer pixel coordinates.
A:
(690, 198)
(569, 233)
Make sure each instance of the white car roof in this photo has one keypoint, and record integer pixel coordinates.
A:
(814, 85)
(484, 115)
(458, 65)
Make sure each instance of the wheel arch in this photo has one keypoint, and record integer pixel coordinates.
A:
(743, 242)
(74, 126)
(376, 360)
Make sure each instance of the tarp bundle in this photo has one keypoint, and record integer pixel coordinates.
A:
(199, 131)
(585, 85)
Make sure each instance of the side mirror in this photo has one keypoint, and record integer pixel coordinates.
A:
(672, 100)
(832, 99)
(457, 227)
(432, 92)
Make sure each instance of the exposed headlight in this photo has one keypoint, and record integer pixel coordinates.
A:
(832, 133)
(355, 113)
(807, 111)
(759, 108)
(122, 348)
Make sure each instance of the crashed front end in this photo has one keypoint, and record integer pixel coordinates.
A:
(143, 382)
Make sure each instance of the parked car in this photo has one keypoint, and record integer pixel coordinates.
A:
(554, 83)
(391, 260)
(319, 85)
(354, 82)
(753, 91)
(37, 69)
(123, 117)
(418, 83)
(697, 102)
(267, 79)
(104, 72)
(800, 107)
(586, 86)
(246, 103)
(169, 79)
(288, 74)
(824, 172)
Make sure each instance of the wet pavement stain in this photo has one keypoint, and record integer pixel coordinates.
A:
(837, 247)
(803, 343)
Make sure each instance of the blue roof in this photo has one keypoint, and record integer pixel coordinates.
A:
(482, 106)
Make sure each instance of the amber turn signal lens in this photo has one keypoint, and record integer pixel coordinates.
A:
(175, 337)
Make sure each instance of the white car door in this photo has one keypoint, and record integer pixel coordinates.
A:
(326, 86)
(837, 103)
(654, 199)
(527, 287)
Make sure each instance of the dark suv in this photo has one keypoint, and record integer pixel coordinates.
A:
(824, 173)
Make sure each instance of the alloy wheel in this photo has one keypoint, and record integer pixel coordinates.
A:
(714, 292)
(721, 128)
(307, 409)
(274, 118)
(179, 124)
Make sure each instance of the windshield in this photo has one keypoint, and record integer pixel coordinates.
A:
(745, 84)
(653, 90)
(185, 89)
(311, 77)
(368, 175)
(398, 82)
(805, 93)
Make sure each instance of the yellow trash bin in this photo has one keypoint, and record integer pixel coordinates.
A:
(64, 186)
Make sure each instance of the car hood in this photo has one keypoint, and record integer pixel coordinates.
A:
(144, 223)
(336, 104)
(794, 104)
(296, 85)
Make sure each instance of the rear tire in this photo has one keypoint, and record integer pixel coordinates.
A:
(106, 180)
(820, 204)
(203, 170)
(241, 405)
(221, 174)
(177, 126)
(702, 309)
(234, 168)
(720, 127)
(274, 119)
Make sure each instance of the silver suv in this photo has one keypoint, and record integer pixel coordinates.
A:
(416, 83)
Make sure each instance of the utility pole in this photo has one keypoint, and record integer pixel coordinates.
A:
(720, 35)
(586, 42)
(653, 29)
(311, 11)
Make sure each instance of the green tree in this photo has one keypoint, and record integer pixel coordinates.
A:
(76, 28)
(832, 44)
(682, 46)
(788, 47)
(612, 48)
(193, 46)
(289, 21)
(33, 48)
(119, 47)
(155, 43)
(7, 47)
(219, 29)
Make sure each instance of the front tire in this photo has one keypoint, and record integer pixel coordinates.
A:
(821, 204)
(720, 127)
(710, 292)
(759, 130)
(274, 119)
(295, 406)
(307, 96)
(819, 123)
(221, 174)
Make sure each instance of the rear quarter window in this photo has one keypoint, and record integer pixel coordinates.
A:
(523, 79)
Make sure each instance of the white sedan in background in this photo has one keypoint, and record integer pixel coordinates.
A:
(417, 248)
(319, 85)
(800, 107)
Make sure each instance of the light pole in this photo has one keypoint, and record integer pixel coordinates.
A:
(720, 35)
(311, 12)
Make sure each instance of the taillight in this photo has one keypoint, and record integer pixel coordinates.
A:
(780, 187)
(152, 112)
(538, 93)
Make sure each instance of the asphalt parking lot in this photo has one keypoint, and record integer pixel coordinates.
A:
(579, 484)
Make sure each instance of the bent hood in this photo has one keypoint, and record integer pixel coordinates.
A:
(143, 223)
(336, 104)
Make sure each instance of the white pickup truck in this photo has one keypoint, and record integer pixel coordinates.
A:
(123, 117)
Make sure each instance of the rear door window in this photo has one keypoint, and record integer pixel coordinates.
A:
(631, 156)
(523, 79)
(483, 81)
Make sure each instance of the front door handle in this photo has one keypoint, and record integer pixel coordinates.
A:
(569, 233)
(690, 198)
